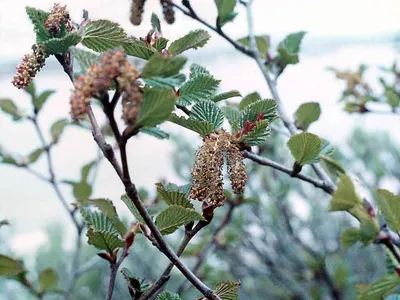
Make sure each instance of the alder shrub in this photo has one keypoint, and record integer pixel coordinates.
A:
(159, 92)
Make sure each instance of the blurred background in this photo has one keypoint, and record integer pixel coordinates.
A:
(282, 243)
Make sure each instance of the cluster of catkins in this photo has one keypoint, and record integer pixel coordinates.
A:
(207, 179)
(33, 62)
(113, 66)
(137, 9)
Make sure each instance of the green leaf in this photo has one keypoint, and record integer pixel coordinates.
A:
(175, 216)
(82, 191)
(108, 208)
(61, 45)
(306, 114)
(9, 107)
(156, 107)
(225, 10)
(168, 296)
(41, 99)
(196, 70)
(156, 132)
(305, 147)
(128, 202)
(163, 66)
(201, 127)
(369, 231)
(165, 82)
(289, 48)
(104, 240)
(139, 49)
(228, 290)
(326, 149)
(84, 58)
(38, 18)
(57, 129)
(380, 288)
(155, 23)
(10, 266)
(208, 111)
(258, 135)
(333, 165)
(249, 99)
(193, 40)
(34, 155)
(251, 111)
(233, 116)
(103, 35)
(389, 205)
(173, 197)
(48, 279)
(86, 170)
(262, 42)
(392, 97)
(98, 221)
(349, 237)
(226, 95)
(160, 44)
(198, 88)
(345, 196)
(31, 90)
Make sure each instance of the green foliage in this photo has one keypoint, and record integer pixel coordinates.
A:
(108, 208)
(34, 155)
(168, 296)
(258, 135)
(251, 111)
(128, 202)
(208, 111)
(155, 22)
(160, 44)
(226, 95)
(380, 288)
(201, 127)
(103, 35)
(196, 70)
(57, 128)
(156, 132)
(156, 107)
(227, 290)
(173, 196)
(9, 107)
(170, 219)
(104, 240)
(48, 279)
(135, 285)
(38, 18)
(289, 48)
(233, 116)
(249, 99)
(197, 88)
(225, 11)
(39, 101)
(345, 196)
(333, 166)
(61, 45)
(138, 48)
(306, 114)
(165, 82)
(389, 205)
(305, 147)
(10, 266)
(98, 221)
(193, 40)
(262, 42)
(84, 58)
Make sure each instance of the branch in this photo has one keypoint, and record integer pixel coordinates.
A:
(114, 266)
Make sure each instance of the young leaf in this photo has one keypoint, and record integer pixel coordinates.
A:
(289, 48)
(84, 58)
(61, 45)
(165, 82)
(82, 191)
(10, 266)
(128, 202)
(156, 132)
(108, 208)
(251, 111)
(57, 129)
(349, 237)
(198, 88)
(389, 205)
(369, 230)
(31, 90)
(48, 279)
(233, 116)
(175, 216)
(193, 40)
(228, 290)
(249, 99)
(156, 107)
(208, 111)
(103, 35)
(104, 240)
(196, 70)
(9, 107)
(98, 221)
(306, 114)
(345, 197)
(226, 95)
(86, 170)
(155, 23)
(201, 127)
(163, 66)
(41, 99)
(173, 197)
(38, 18)
(168, 296)
(160, 44)
(258, 135)
(305, 147)
(137, 48)
(262, 42)
(34, 155)
(380, 288)
(225, 11)
(333, 165)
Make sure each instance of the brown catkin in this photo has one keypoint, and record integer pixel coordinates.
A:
(137, 8)
(236, 169)
(168, 11)
(58, 15)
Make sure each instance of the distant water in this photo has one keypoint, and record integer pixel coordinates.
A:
(31, 205)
